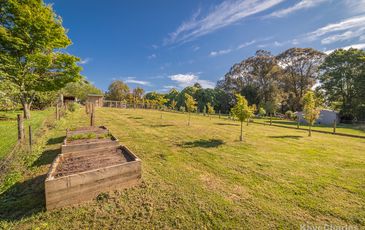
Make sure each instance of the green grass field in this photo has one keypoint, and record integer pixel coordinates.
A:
(340, 128)
(9, 131)
(201, 176)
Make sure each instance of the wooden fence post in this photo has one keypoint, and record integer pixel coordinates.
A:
(92, 119)
(92, 115)
(57, 112)
(21, 135)
(334, 127)
(30, 138)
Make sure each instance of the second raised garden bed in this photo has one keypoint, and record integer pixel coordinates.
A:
(88, 138)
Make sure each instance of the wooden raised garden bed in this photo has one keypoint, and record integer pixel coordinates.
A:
(75, 177)
(88, 138)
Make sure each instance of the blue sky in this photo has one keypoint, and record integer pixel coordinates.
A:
(162, 44)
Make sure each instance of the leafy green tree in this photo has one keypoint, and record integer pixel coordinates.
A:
(191, 90)
(31, 39)
(289, 114)
(242, 111)
(161, 101)
(190, 104)
(118, 91)
(172, 96)
(80, 90)
(182, 109)
(210, 110)
(43, 100)
(138, 95)
(173, 104)
(342, 79)
(270, 107)
(8, 96)
(262, 112)
(311, 110)
(300, 72)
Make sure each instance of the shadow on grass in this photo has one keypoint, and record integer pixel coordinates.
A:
(211, 143)
(47, 157)
(136, 118)
(160, 126)
(286, 137)
(229, 124)
(23, 199)
(55, 140)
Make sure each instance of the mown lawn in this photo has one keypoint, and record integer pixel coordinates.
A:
(9, 130)
(201, 176)
(340, 128)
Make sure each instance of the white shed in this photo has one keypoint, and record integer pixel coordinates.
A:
(326, 117)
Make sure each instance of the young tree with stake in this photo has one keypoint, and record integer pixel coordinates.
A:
(173, 104)
(210, 110)
(242, 110)
(190, 104)
(311, 111)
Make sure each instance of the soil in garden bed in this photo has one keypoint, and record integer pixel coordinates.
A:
(88, 141)
(88, 160)
(83, 130)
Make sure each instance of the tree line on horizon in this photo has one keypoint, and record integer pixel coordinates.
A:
(272, 84)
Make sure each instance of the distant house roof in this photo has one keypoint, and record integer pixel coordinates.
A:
(95, 95)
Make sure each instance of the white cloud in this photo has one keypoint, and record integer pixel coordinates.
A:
(155, 46)
(276, 43)
(85, 61)
(133, 80)
(243, 45)
(344, 36)
(169, 87)
(196, 48)
(304, 4)
(219, 52)
(357, 22)
(189, 79)
(222, 15)
(152, 56)
(355, 6)
(355, 46)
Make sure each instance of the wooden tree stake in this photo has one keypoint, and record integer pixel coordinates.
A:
(334, 127)
(30, 138)
(21, 135)
(57, 112)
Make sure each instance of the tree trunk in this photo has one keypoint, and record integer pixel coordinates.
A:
(270, 118)
(189, 119)
(310, 130)
(241, 137)
(26, 110)
(248, 121)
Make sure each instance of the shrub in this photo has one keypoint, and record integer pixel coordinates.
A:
(262, 112)
(182, 109)
(73, 106)
(289, 114)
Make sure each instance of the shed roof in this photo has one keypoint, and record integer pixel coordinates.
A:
(95, 95)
